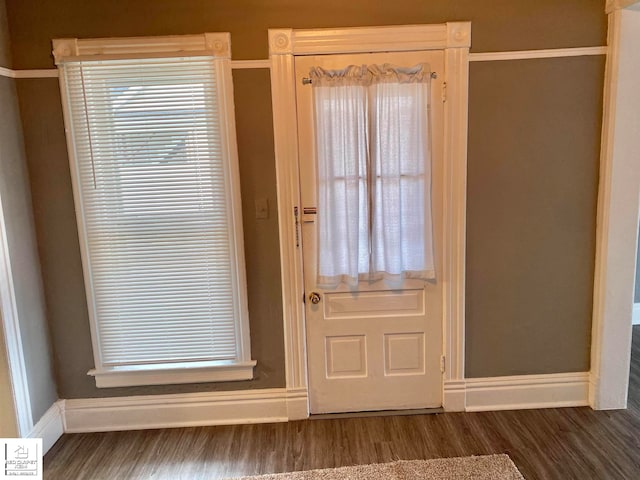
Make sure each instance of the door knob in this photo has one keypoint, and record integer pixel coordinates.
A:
(315, 298)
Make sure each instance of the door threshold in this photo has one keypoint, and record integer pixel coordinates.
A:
(376, 413)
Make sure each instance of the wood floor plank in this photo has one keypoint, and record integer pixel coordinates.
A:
(565, 443)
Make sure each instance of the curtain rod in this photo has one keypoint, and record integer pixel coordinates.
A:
(308, 81)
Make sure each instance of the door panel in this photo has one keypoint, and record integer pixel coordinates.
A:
(371, 347)
(382, 303)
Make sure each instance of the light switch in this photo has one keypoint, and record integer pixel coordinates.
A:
(262, 208)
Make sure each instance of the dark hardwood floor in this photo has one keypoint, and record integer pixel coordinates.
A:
(567, 443)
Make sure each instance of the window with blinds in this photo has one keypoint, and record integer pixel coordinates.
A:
(158, 207)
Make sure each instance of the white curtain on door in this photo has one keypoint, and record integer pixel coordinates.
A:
(374, 163)
(342, 143)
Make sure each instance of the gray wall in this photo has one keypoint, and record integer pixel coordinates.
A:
(497, 24)
(534, 150)
(16, 202)
(534, 133)
(5, 48)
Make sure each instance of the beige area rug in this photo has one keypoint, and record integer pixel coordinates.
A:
(485, 467)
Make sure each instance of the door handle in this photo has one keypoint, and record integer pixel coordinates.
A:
(314, 297)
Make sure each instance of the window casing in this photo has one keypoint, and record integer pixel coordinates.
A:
(150, 131)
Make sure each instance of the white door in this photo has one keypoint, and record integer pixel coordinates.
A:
(371, 346)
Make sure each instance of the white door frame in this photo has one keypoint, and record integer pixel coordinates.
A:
(284, 44)
(12, 338)
(617, 225)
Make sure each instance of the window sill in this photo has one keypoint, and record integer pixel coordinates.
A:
(173, 373)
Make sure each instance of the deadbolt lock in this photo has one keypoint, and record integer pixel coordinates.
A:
(314, 297)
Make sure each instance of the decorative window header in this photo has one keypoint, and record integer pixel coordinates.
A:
(370, 39)
(77, 49)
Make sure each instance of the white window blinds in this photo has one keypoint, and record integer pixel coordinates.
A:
(157, 211)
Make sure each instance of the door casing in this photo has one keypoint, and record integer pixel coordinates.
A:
(454, 38)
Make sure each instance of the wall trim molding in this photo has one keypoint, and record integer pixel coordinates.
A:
(7, 72)
(53, 72)
(519, 392)
(166, 374)
(297, 403)
(531, 54)
(617, 223)
(527, 391)
(285, 136)
(636, 314)
(41, 73)
(456, 113)
(454, 395)
(281, 405)
(13, 337)
(388, 38)
(598, 346)
(50, 427)
(217, 44)
(244, 64)
(184, 410)
(266, 63)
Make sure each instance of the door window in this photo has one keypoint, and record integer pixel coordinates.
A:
(373, 172)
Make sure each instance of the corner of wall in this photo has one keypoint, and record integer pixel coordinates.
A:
(50, 427)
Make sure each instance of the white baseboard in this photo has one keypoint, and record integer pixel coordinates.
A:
(50, 427)
(184, 410)
(297, 404)
(636, 314)
(454, 396)
(281, 405)
(527, 391)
